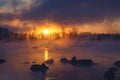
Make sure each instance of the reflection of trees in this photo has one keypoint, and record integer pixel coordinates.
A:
(74, 33)
(5, 34)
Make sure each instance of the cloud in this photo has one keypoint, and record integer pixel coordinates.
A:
(14, 5)
(8, 16)
(74, 11)
(61, 11)
(66, 12)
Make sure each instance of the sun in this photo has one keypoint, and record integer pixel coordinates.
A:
(46, 32)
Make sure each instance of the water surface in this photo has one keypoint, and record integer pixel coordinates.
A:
(16, 53)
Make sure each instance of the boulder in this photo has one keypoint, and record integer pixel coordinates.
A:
(50, 61)
(36, 67)
(117, 63)
(2, 61)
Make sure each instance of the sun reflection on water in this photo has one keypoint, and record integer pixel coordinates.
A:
(46, 53)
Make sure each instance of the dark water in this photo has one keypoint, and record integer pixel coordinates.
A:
(16, 53)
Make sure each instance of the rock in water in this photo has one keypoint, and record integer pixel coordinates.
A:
(50, 61)
(43, 68)
(2, 61)
(117, 64)
(110, 73)
(85, 62)
(73, 60)
(64, 60)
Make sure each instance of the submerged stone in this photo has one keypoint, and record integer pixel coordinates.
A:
(2, 61)
(84, 62)
(26, 62)
(80, 62)
(43, 68)
(34, 62)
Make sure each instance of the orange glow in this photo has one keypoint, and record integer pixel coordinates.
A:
(47, 27)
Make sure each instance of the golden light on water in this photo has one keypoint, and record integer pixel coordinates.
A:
(46, 54)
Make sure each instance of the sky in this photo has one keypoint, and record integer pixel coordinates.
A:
(102, 16)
